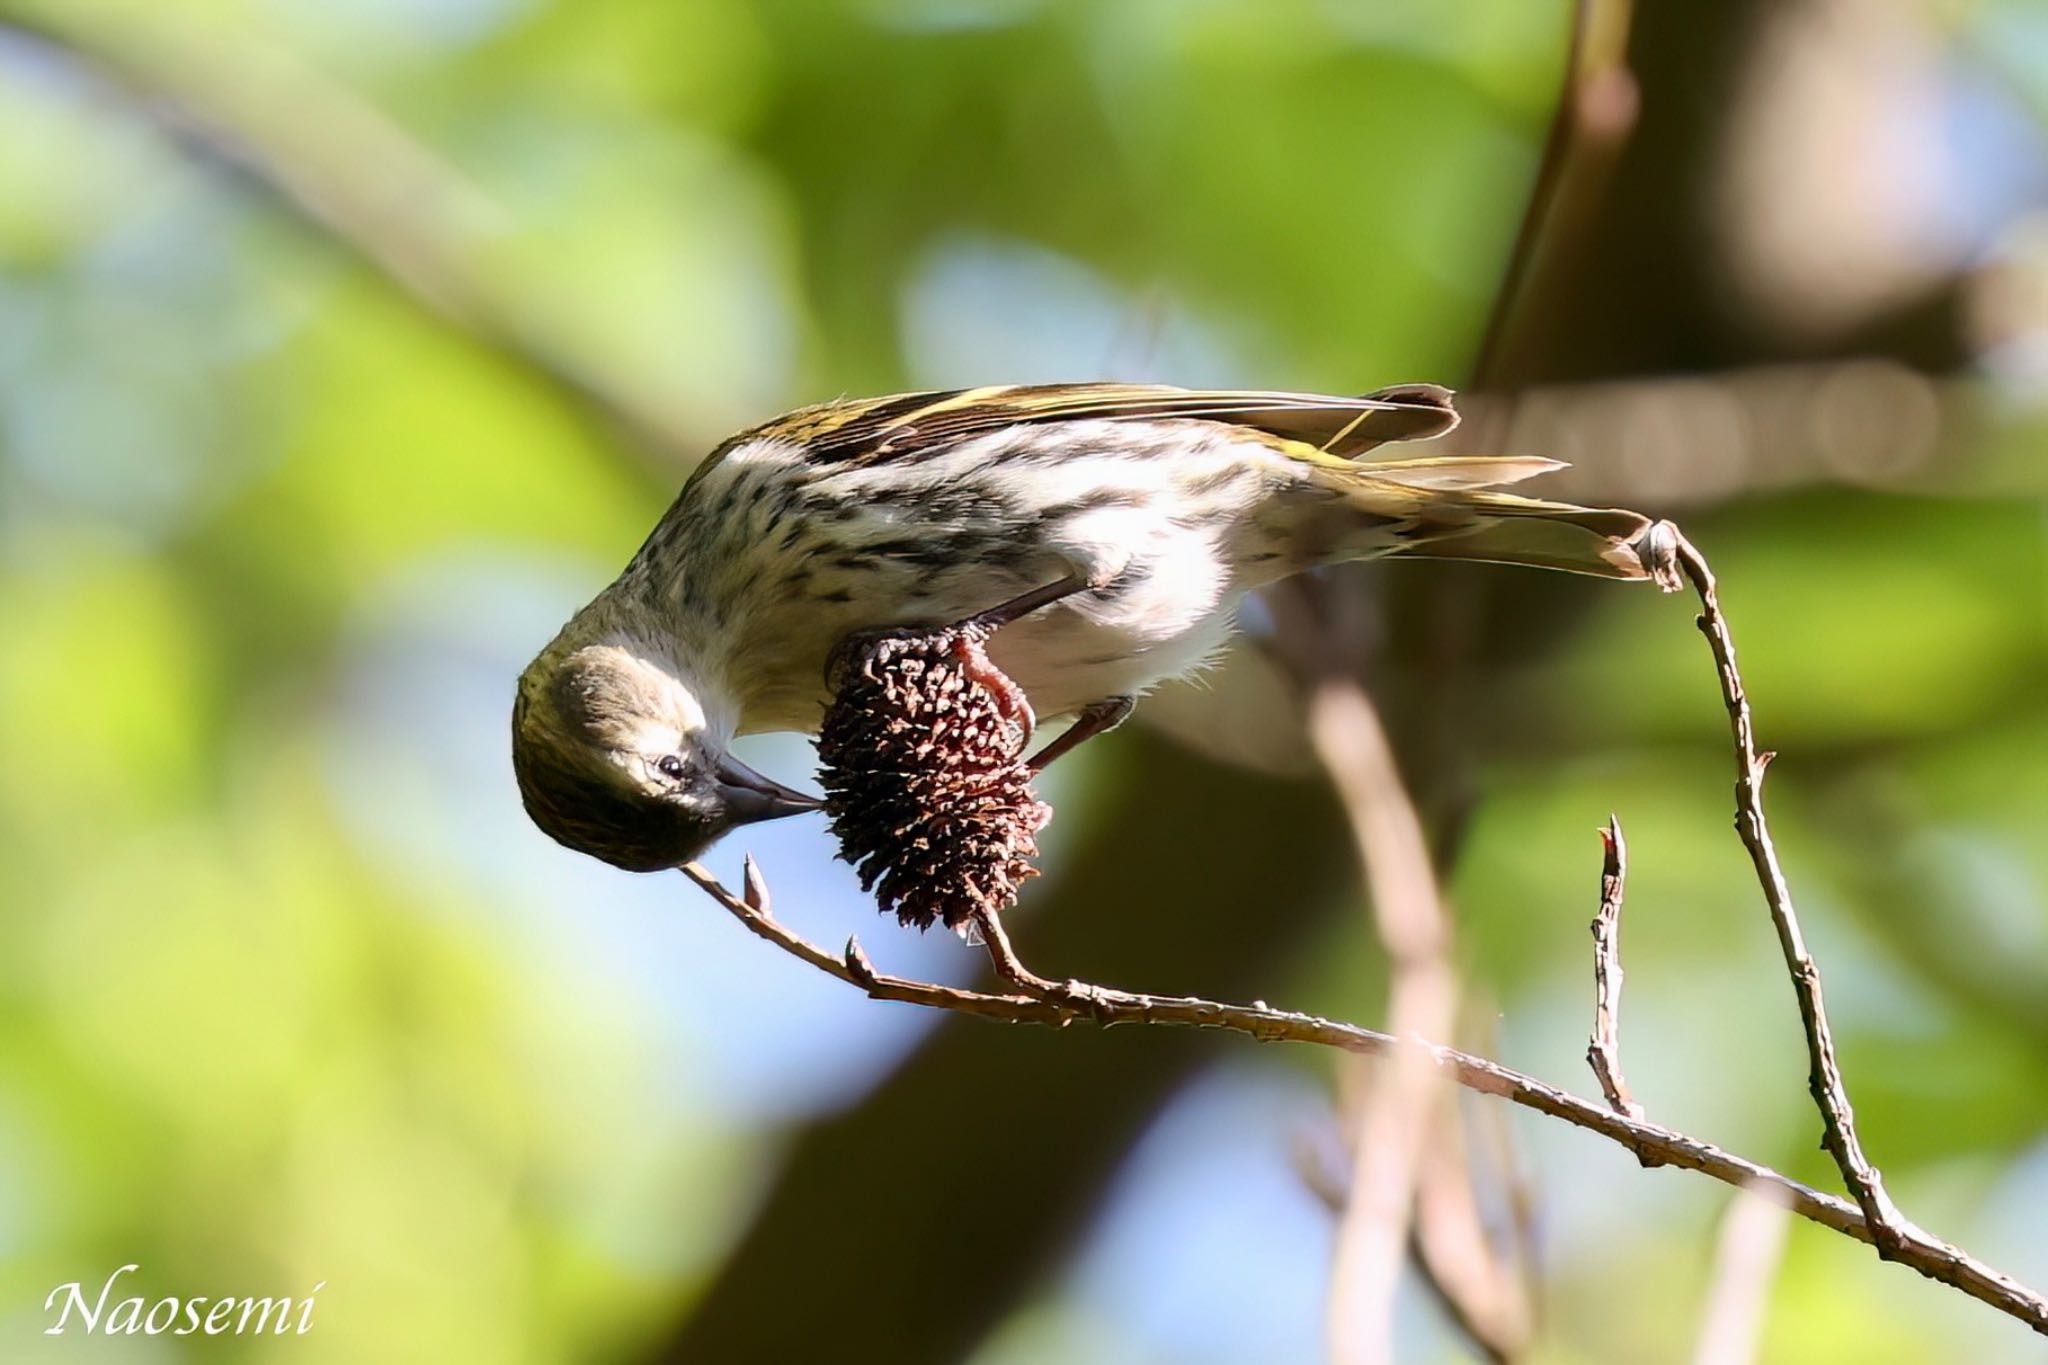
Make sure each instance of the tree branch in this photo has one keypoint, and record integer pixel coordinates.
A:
(1872, 1218)
(1108, 1007)
(1890, 1231)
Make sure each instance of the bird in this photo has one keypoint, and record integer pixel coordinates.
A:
(1105, 533)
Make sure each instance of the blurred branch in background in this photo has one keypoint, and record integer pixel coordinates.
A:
(358, 176)
(1489, 1288)
(1409, 1185)
(1646, 289)
(1746, 1257)
(1596, 110)
(1401, 1105)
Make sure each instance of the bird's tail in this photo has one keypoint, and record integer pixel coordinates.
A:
(1445, 508)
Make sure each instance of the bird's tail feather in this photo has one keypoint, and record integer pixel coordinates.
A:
(1440, 509)
(1452, 472)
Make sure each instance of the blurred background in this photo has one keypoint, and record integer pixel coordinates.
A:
(346, 348)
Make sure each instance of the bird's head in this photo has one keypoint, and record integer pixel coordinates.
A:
(619, 757)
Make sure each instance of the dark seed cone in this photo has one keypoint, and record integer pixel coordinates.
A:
(922, 760)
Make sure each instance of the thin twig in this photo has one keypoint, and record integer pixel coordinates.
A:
(1891, 1232)
(1107, 1007)
(1603, 1053)
(754, 910)
(1886, 1228)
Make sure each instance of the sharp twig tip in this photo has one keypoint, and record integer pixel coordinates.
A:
(857, 962)
(754, 887)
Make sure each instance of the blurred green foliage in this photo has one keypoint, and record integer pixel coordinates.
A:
(290, 994)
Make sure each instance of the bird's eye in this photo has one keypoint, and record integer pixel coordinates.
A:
(670, 766)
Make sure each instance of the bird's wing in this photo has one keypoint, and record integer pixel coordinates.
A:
(879, 430)
(1440, 501)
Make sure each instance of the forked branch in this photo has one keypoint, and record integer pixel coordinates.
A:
(1107, 1006)
(1871, 1218)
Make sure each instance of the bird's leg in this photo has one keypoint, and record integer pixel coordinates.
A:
(996, 617)
(1003, 957)
(1075, 996)
(982, 623)
(1097, 718)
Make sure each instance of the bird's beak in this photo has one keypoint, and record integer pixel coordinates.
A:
(750, 796)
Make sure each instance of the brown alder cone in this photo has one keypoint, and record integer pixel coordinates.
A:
(922, 760)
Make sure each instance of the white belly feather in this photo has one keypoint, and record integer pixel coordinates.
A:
(1172, 618)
